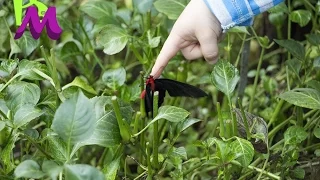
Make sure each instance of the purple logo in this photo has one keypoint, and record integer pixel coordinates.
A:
(34, 11)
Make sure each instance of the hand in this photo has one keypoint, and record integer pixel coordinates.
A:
(196, 33)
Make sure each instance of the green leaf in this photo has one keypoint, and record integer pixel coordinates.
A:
(75, 119)
(225, 77)
(317, 152)
(281, 7)
(82, 172)
(113, 39)
(58, 148)
(244, 151)
(28, 169)
(180, 152)
(171, 8)
(26, 69)
(52, 169)
(314, 85)
(14, 48)
(294, 47)
(239, 29)
(303, 97)
(295, 135)
(6, 153)
(2, 125)
(317, 132)
(27, 44)
(314, 39)
(294, 65)
(114, 78)
(316, 63)
(79, 82)
(302, 17)
(223, 149)
(21, 93)
(277, 19)
(99, 8)
(187, 123)
(171, 113)
(103, 22)
(298, 173)
(25, 114)
(143, 6)
(111, 169)
(7, 66)
(4, 34)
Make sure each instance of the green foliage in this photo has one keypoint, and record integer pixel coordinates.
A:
(71, 108)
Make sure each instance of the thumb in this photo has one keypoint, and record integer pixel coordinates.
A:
(209, 46)
(169, 49)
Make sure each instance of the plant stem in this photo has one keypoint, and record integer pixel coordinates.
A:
(278, 127)
(222, 130)
(150, 173)
(155, 131)
(276, 112)
(256, 80)
(258, 170)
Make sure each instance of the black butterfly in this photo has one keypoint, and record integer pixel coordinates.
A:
(174, 88)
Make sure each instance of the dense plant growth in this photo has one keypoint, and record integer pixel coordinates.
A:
(71, 108)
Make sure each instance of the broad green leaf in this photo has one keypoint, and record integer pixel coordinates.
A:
(294, 47)
(58, 148)
(14, 48)
(153, 41)
(277, 19)
(295, 135)
(99, 8)
(4, 34)
(28, 169)
(225, 77)
(298, 173)
(79, 82)
(103, 22)
(75, 119)
(27, 44)
(187, 123)
(294, 65)
(171, 8)
(303, 97)
(113, 39)
(114, 78)
(111, 169)
(244, 151)
(314, 39)
(82, 172)
(316, 63)
(223, 149)
(21, 93)
(239, 29)
(180, 152)
(281, 7)
(171, 113)
(32, 133)
(317, 132)
(7, 66)
(3, 107)
(52, 169)
(68, 50)
(143, 6)
(302, 17)
(26, 69)
(7, 152)
(25, 114)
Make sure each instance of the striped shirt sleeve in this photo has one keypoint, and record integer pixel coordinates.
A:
(238, 12)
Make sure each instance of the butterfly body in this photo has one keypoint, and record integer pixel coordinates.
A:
(174, 88)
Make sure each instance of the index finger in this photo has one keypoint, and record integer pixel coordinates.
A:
(169, 49)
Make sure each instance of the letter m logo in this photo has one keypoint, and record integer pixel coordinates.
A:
(36, 25)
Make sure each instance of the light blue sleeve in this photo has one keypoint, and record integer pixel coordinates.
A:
(238, 12)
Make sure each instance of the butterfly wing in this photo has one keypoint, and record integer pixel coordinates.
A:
(148, 99)
(176, 88)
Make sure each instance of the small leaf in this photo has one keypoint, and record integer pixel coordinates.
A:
(180, 152)
(303, 97)
(2, 125)
(14, 47)
(187, 123)
(7, 66)
(277, 19)
(294, 47)
(295, 135)
(171, 113)
(75, 120)
(317, 152)
(26, 69)
(302, 17)
(78, 82)
(7, 152)
(317, 132)
(239, 29)
(82, 172)
(21, 93)
(171, 8)
(281, 7)
(294, 65)
(28, 169)
(114, 78)
(225, 77)
(143, 6)
(111, 169)
(99, 8)
(25, 114)
(244, 151)
(113, 39)
(52, 169)
(27, 44)
(316, 63)
(314, 39)
(314, 85)
(58, 148)
(298, 173)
